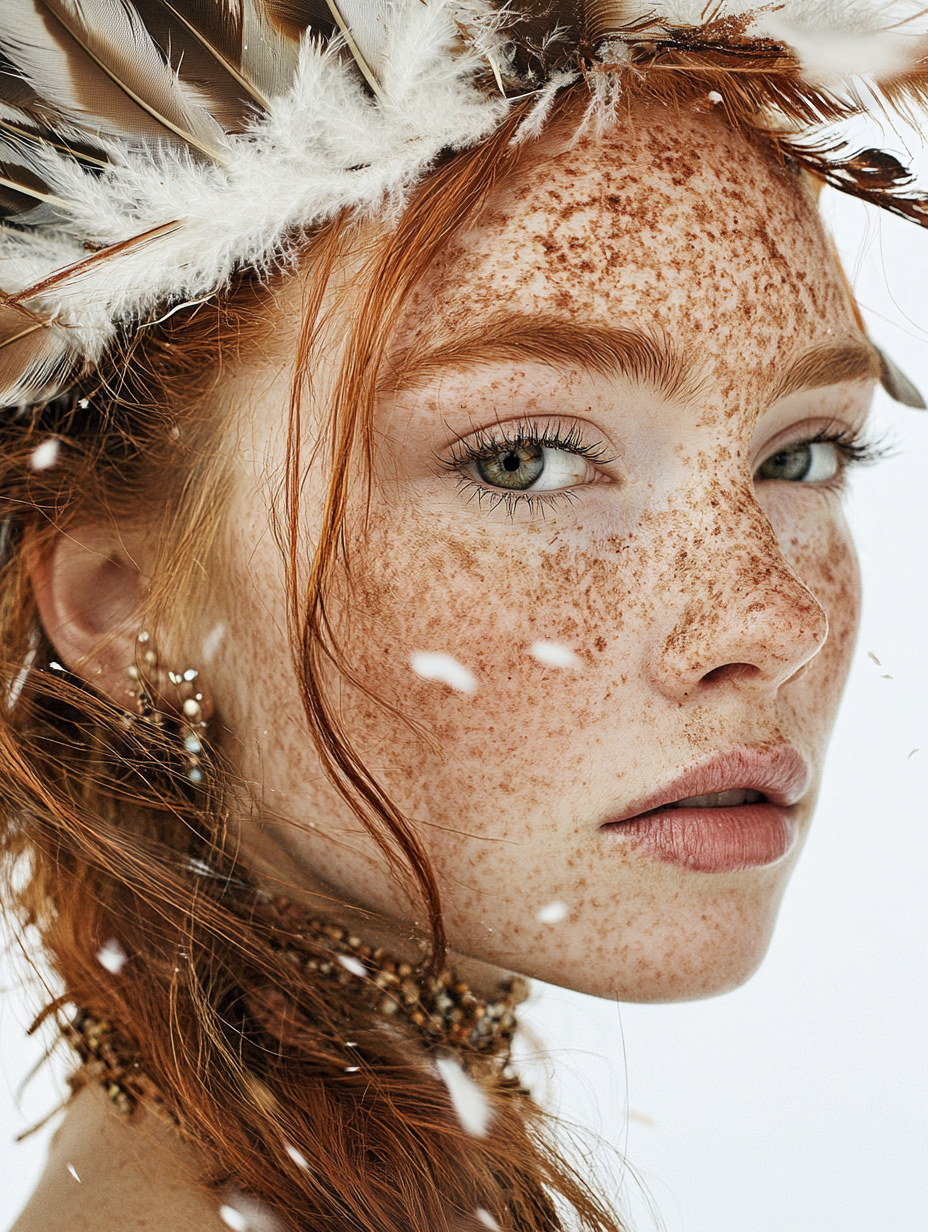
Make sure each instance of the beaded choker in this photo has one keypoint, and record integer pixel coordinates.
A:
(441, 1009)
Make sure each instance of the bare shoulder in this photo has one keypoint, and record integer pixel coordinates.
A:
(109, 1174)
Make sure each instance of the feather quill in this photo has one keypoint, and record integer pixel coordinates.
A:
(364, 29)
(21, 190)
(202, 42)
(233, 51)
(18, 131)
(93, 62)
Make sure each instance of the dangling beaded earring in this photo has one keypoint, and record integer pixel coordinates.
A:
(140, 673)
(192, 724)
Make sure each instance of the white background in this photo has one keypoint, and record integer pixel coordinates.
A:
(800, 1102)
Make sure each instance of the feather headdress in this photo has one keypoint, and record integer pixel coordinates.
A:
(150, 148)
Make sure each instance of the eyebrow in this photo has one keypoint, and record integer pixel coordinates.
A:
(648, 357)
(828, 364)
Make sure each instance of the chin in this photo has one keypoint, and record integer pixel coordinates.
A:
(684, 961)
(674, 981)
(675, 984)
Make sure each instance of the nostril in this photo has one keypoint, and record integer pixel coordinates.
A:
(728, 673)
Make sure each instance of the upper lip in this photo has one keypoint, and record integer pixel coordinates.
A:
(781, 773)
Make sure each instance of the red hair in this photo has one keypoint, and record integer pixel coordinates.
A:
(247, 1049)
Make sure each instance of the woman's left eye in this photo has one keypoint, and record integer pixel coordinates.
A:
(531, 467)
(805, 462)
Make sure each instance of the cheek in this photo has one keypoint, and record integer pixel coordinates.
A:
(485, 600)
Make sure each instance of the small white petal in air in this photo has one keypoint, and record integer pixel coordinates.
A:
(444, 668)
(553, 913)
(233, 1219)
(487, 1219)
(45, 456)
(17, 685)
(871, 655)
(212, 642)
(112, 956)
(715, 97)
(354, 965)
(242, 1213)
(73, 1172)
(470, 1103)
(553, 654)
(298, 1157)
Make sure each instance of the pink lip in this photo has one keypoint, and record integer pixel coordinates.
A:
(720, 840)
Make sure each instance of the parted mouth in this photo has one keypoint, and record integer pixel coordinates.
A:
(719, 799)
(730, 778)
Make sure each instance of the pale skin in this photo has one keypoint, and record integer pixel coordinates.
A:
(709, 606)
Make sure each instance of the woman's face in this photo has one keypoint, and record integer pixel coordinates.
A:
(613, 434)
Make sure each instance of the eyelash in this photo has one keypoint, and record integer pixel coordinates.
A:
(854, 448)
(488, 442)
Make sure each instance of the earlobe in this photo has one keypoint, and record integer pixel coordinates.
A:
(90, 590)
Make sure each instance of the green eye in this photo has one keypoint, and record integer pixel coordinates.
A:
(808, 462)
(512, 468)
(529, 465)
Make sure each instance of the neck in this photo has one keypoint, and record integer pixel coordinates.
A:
(279, 875)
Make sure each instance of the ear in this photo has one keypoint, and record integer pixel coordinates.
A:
(90, 589)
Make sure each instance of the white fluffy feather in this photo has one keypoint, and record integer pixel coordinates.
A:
(325, 145)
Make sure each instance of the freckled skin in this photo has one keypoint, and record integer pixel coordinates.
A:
(707, 609)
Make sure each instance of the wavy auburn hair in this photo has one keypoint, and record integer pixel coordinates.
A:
(247, 1050)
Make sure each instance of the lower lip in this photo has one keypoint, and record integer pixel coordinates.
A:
(712, 840)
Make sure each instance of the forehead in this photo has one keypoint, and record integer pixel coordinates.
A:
(667, 221)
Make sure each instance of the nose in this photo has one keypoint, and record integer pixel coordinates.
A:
(741, 615)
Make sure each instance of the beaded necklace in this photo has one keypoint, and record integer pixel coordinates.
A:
(441, 1008)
